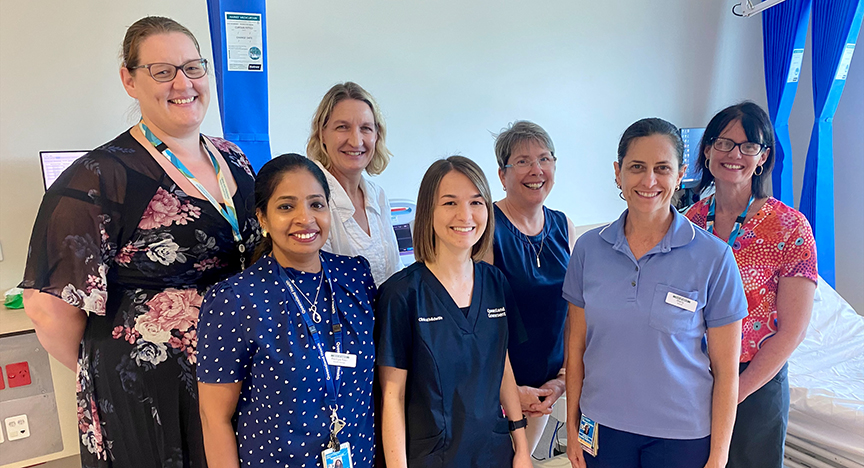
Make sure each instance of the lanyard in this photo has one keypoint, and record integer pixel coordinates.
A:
(228, 212)
(736, 229)
(332, 382)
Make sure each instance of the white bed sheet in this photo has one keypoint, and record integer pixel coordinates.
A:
(826, 378)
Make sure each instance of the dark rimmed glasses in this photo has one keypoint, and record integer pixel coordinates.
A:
(165, 72)
(747, 148)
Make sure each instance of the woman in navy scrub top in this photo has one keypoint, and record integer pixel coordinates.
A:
(532, 248)
(644, 292)
(442, 336)
(265, 392)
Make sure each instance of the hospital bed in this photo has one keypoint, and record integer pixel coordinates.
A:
(826, 383)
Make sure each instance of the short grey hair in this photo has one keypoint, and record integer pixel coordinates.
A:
(518, 132)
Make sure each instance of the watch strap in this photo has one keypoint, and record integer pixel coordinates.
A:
(518, 424)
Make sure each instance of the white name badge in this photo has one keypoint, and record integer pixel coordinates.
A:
(341, 359)
(681, 302)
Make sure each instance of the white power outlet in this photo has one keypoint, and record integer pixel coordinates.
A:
(17, 427)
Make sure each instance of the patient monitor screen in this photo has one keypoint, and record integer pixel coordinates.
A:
(692, 137)
(55, 162)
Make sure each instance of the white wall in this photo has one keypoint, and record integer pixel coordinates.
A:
(848, 170)
(446, 74)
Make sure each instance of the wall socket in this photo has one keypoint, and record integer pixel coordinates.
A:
(17, 427)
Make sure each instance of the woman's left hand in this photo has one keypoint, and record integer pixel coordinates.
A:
(522, 460)
(557, 387)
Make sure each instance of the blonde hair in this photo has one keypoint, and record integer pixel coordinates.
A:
(315, 147)
(424, 230)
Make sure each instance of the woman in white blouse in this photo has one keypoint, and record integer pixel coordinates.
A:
(347, 138)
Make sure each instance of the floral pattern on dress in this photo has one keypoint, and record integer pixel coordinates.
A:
(166, 208)
(776, 243)
(143, 296)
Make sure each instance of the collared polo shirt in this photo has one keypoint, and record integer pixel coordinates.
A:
(646, 369)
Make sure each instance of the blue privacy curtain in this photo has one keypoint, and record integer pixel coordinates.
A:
(239, 35)
(836, 24)
(784, 32)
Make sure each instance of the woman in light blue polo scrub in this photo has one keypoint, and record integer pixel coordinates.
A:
(644, 389)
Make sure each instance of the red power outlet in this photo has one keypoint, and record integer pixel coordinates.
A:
(2, 383)
(18, 373)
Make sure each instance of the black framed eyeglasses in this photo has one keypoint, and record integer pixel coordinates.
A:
(747, 148)
(165, 72)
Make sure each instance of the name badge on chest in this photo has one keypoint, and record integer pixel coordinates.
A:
(341, 359)
(681, 302)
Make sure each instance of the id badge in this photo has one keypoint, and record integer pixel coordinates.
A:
(588, 435)
(341, 359)
(338, 458)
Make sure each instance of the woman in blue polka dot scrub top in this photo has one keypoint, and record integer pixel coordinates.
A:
(264, 391)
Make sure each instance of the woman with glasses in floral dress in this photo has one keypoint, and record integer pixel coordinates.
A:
(125, 244)
(776, 253)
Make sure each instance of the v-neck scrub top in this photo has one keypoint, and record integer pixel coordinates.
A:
(646, 369)
(251, 331)
(455, 365)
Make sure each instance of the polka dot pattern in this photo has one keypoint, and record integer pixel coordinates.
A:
(251, 330)
(776, 243)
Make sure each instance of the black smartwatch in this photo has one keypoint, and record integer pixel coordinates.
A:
(518, 424)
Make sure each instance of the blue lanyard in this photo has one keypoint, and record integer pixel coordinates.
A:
(739, 221)
(331, 383)
(228, 211)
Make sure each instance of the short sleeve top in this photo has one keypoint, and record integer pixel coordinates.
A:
(646, 369)
(537, 290)
(251, 331)
(455, 364)
(775, 243)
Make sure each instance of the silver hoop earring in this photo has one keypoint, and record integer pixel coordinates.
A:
(621, 196)
(760, 169)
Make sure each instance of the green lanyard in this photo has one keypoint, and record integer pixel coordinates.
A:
(739, 221)
(228, 211)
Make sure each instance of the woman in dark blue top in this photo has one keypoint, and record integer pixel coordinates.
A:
(275, 358)
(442, 336)
(532, 248)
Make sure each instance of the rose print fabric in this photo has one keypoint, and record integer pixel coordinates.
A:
(776, 243)
(117, 238)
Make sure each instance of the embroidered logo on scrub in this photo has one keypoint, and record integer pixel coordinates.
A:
(430, 319)
(496, 313)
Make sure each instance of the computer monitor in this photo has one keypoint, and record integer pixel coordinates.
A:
(55, 162)
(692, 138)
(402, 218)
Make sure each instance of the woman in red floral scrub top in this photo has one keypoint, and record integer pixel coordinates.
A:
(776, 253)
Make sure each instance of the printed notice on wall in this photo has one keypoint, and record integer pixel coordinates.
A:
(845, 61)
(795, 66)
(243, 42)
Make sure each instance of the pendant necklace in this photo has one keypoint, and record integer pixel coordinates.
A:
(313, 305)
(536, 251)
